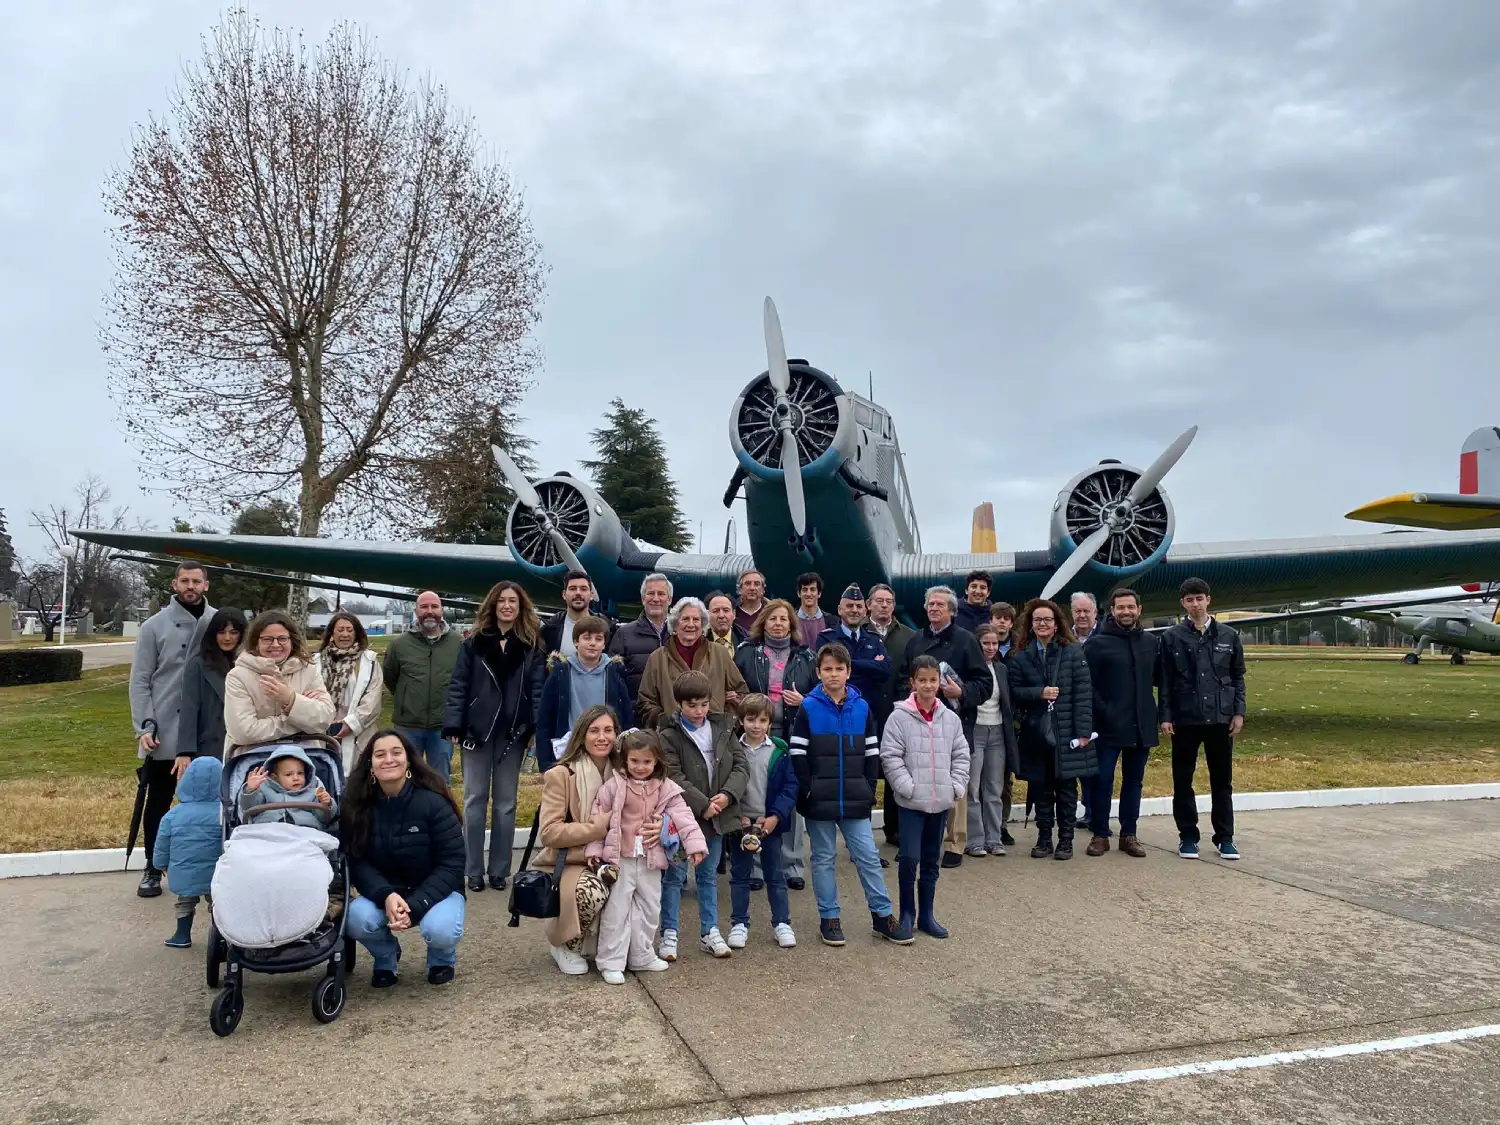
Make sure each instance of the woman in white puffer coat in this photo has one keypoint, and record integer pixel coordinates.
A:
(926, 761)
(273, 691)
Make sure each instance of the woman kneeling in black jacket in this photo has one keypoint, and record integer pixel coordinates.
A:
(404, 839)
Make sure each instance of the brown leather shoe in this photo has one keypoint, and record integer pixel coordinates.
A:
(1131, 846)
(1097, 846)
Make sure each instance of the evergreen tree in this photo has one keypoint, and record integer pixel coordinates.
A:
(8, 574)
(255, 594)
(158, 579)
(467, 500)
(631, 475)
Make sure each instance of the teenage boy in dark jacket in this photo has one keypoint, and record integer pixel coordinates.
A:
(836, 753)
(1201, 702)
(1122, 668)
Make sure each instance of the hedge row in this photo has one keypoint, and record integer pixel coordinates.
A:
(39, 665)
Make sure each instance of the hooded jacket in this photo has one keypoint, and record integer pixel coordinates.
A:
(190, 840)
(836, 753)
(554, 711)
(668, 802)
(251, 716)
(925, 761)
(271, 792)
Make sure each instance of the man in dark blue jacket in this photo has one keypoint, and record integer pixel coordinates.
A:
(836, 753)
(1201, 702)
(872, 667)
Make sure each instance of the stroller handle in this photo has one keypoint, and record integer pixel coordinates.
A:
(315, 805)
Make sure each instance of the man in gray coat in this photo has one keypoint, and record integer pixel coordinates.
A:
(167, 638)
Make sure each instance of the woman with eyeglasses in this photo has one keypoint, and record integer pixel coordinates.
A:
(274, 690)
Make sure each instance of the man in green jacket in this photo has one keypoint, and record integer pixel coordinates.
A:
(418, 665)
(896, 635)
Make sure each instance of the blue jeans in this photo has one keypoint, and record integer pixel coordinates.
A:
(740, 865)
(922, 839)
(436, 749)
(441, 927)
(707, 878)
(1132, 776)
(824, 835)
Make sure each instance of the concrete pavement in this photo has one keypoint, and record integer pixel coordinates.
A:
(1340, 926)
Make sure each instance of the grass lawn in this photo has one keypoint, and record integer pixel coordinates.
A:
(1316, 721)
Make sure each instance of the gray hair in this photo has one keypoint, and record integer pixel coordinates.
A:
(1085, 596)
(879, 586)
(947, 592)
(656, 576)
(686, 603)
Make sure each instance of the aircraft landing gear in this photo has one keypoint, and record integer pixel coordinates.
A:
(1457, 658)
(1411, 658)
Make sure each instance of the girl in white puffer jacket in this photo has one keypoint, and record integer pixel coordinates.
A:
(926, 761)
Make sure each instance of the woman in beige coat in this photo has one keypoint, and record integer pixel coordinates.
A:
(348, 668)
(687, 650)
(273, 691)
(568, 792)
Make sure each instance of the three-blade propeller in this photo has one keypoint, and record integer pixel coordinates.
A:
(527, 497)
(1119, 516)
(781, 383)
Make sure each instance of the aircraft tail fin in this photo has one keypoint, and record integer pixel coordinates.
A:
(1479, 471)
(982, 533)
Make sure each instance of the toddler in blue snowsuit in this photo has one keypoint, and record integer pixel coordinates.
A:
(189, 843)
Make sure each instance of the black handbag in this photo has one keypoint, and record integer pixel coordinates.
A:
(537, 894)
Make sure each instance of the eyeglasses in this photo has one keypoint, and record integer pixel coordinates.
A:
(268, 639)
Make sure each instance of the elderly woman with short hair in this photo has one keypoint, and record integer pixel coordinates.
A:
(687, 650)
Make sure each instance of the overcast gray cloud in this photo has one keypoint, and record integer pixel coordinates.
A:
(1053, 232)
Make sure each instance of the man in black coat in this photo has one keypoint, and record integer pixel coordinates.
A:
(635, 642)
(578, 595)
(1201, 702)
(966, 684)
(1122, 668)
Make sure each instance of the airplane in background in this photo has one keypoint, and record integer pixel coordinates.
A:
(825, 489)
(1430, 622)
(1474, 507)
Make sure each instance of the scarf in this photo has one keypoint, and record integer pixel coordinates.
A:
(587, 781)
(339, 666)
(687, 652)
(778, 653)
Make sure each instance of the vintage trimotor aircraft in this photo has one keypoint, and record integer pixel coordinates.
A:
(825, 489)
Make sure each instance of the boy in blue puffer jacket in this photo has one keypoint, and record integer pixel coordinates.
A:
(189, 843)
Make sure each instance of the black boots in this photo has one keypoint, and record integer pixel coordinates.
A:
(150, 885)
(1043, 843)
(183, 938)
(926, 892)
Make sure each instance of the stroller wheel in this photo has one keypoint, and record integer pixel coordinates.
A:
(225, 1014)
(328, 999)
(215, 946)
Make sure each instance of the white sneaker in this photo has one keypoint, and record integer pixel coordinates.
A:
(784, 936)
(655, 965)
(612, 976)
(574, 964)
(739, 934)
(713, 942)
(668, 947)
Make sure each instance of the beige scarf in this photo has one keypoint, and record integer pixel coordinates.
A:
(587, 780)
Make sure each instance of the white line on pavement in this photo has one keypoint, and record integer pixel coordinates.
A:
(1117, 1078)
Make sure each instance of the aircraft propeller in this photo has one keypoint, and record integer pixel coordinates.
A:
(1118, 517)
(781, 382)
(527, 497)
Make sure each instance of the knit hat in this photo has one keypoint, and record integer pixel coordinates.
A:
(853, 593)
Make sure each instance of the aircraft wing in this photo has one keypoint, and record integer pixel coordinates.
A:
(1244, 574)
(1444, 511)
(446, 567)
(1372, 610)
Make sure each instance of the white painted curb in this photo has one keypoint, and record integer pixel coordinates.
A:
(17, 864)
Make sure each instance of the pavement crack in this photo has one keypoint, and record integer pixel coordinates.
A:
(723, 1094)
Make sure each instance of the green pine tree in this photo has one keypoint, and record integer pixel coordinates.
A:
(255, 594)
(468, 500)
(8, 575)
(631, 475)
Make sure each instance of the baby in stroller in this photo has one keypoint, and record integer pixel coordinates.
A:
(287, 774)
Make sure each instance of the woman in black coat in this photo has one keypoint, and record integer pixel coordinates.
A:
(775, 664)
(202, 713)
(1049, 686)
(491, 716)
(404, 839)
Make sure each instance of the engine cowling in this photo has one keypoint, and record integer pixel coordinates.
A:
(1139, 543)
(821, 419)
(589, 524)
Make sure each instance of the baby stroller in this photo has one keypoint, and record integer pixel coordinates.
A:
(278, 924)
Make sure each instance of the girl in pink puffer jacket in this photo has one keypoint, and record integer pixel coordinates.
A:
(638, 793)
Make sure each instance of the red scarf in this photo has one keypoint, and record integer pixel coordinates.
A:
(686, 652)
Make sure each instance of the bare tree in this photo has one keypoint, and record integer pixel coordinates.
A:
(320, 273)
(97, 581)
(39, 587)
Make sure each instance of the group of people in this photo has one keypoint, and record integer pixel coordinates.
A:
(730, 733)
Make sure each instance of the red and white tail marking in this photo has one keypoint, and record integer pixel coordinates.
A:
(1479, 462)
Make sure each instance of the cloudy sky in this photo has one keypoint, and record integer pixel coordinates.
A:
(1053, 232)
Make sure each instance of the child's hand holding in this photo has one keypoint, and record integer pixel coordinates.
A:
(767, 824)
(697, 857)
(593, 863)
(744, 822)
(719, 803)
(324, 798)
(254, 778)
